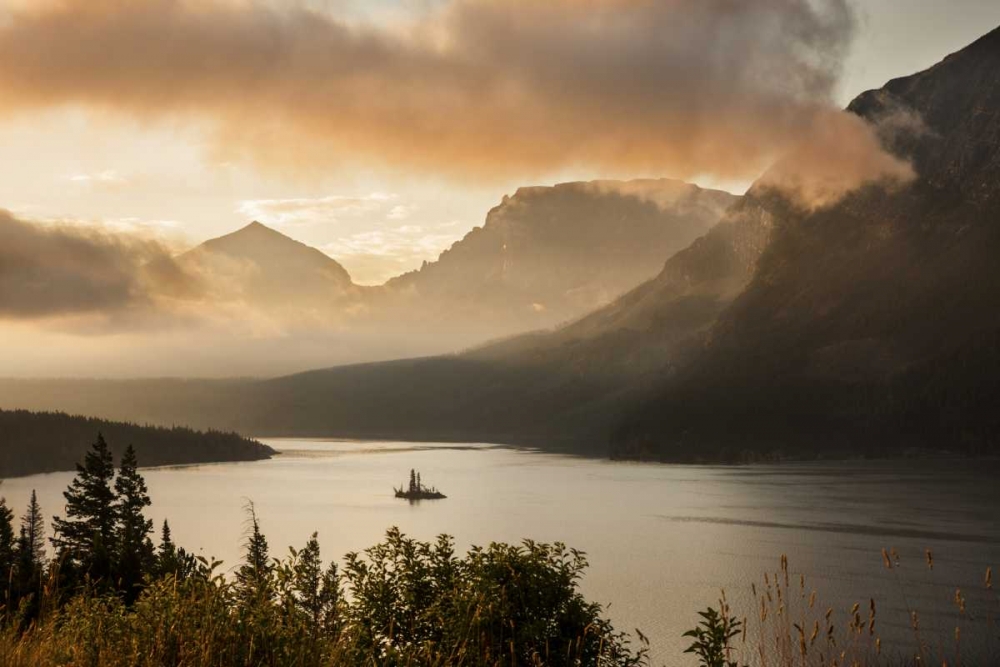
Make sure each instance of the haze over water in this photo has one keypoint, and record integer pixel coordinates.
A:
(661, 539)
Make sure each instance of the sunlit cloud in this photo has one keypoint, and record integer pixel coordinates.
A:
(374, 256)
(107, 177)
(472, 90)
(169, 233)
(400, 212)
(302, 211)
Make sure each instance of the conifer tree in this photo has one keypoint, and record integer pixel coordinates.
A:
(134, 552)
(167, 555)
(331, 597)
(254, 577)
(308, 581)
(85, 539)
(7, 549)
(33, 526)
(172, 559)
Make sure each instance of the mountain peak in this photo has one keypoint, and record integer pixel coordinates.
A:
(277, 257)
(256, 237)
(256, 228)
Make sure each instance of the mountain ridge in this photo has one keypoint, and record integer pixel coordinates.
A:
(853, 309)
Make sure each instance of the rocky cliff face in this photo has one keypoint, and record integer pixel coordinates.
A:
(549, 254)
(661, 324)
(544, 256)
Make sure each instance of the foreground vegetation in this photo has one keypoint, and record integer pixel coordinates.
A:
(108, 598)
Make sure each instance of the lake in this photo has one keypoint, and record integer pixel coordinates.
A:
(661, 539)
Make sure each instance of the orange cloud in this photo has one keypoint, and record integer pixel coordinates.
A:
(471, 89)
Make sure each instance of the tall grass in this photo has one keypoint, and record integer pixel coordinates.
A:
(787, 625)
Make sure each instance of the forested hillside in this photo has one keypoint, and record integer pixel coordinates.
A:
(35, 442)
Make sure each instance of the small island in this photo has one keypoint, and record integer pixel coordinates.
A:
(417, 491)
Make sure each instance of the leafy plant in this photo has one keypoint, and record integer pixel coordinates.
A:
(712, 636)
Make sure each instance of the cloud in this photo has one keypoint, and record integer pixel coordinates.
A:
(473, 89)
(840, 155)
(400, 212)
(106, 177)
(372, 257)
(59, 270)
(299, 211)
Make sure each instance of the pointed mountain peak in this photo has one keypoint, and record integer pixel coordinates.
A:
(269, 248)
(258, 229)
(256, 234)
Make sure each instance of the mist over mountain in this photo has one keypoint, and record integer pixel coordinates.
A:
(266, 269)
(549, 254)
(544, 256)
(871, 325)
(559, 389)
(866, 326)
(259, 303)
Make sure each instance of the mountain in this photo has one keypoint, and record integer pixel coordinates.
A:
(544, 256)
(550, 254)
(558, 390)
(554, 389)
(871, 326)
(868, 327)
(569, 249)
(264, 268)
(45, 442)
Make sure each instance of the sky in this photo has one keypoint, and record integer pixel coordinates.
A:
(130, 167)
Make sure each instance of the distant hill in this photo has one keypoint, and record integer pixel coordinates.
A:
(32, 442)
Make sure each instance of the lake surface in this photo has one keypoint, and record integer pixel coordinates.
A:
(661, 539)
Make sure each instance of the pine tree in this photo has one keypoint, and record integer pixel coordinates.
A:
(167, 555)
(85, 539)
(134, 552)
(7, 550)
(172, 559)
(317, 592)
(254, 577)
(33, 525)
(331, 597)
(308, 581)
(413, 480)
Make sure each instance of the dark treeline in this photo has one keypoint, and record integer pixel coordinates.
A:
(35, 442)
(99, 592)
